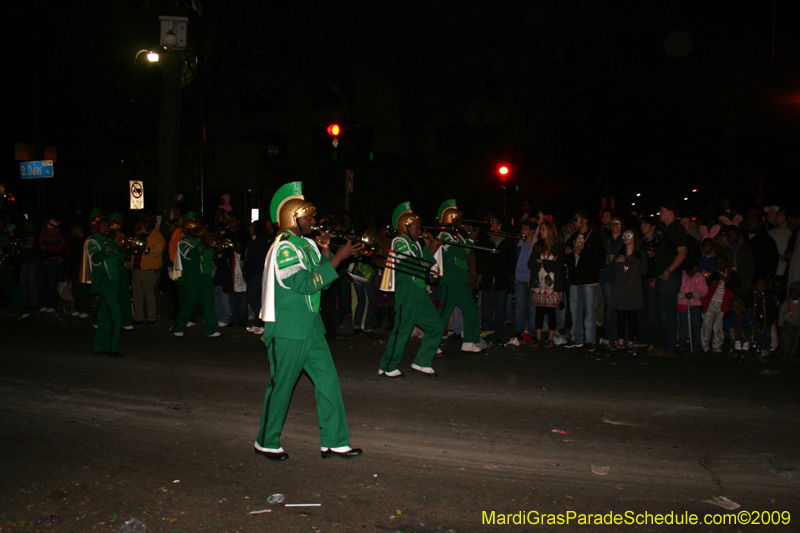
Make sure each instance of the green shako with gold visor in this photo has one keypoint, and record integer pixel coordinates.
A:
(289, 204)
(189, 220)
(448, 212)
(403, 217)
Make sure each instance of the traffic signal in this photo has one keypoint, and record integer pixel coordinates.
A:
(333, 131)
(503, 171)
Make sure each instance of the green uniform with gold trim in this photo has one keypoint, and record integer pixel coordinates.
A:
(455, 286)
(103, 257)
(7, 282)
(294, 274)
(413, 307)
(197, 284)
(124, 295)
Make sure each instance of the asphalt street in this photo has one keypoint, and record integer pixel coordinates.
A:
(165, 434)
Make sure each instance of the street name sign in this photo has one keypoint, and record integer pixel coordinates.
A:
(36, 169)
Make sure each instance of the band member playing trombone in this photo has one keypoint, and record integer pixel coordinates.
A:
(193, 271)
(101, 255)
(124, 296)
(454, 272)
(296, 270)
(413, 306)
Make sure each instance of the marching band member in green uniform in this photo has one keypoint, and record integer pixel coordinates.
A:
(193, 271)
(124, 296)
(413, 305)
(7, 282)
(454, 272)
(295, 272)
(102, 255)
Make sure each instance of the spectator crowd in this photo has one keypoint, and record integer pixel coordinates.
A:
(661, 284)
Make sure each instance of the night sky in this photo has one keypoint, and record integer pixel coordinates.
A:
(658, 97)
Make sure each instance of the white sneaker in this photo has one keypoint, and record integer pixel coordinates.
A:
(417, 334)
(251, 329)
(222, 324)
(258, 331)
(178, 334)
(470, 347)
(439, 351)
(94, 325)
(746, 346)
(51, 310)
(423, 369)
(737, 345)
(513, 341)
(128, 328)
(26, 315)
(74, 313)
(83, 315)
(214, 335)
(190, 324)
(393, 374)
(42, 309)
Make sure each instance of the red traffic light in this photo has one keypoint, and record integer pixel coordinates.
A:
(503, 171)
(333, 130)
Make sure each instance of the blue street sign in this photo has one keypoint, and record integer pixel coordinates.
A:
(36, 169)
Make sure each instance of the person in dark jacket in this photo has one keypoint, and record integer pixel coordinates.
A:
(495, 271)
(584, 254)
(546, 265)
(765, 250)
(255, 255)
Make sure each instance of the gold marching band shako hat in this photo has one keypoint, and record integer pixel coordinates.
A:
(403, 217)
(448, 212)
(288, 204)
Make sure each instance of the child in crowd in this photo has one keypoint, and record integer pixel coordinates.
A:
(739, 325)
(763, 306)
(721, 287)
(690, 305)
(708, 258)
(789, 322)
(626, 297)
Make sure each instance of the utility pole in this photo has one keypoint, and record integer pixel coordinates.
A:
(173, 40)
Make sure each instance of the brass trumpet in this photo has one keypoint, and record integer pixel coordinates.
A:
(10, 254)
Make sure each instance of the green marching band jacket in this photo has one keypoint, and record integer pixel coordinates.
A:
(295, 272)
(104, 258)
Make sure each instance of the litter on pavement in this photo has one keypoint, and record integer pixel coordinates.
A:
(722, 501)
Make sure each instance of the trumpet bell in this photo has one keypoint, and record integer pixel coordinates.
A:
(138, 244)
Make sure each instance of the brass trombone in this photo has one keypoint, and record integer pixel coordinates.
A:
(414, 266)
(458, 244)
(488, 231)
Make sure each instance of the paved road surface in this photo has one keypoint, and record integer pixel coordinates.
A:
(165, 434)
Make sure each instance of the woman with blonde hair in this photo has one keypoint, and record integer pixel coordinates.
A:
(547, 278)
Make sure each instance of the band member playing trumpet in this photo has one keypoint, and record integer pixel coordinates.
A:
(413, 306)
(296, 270)
(193, 268)
(8, 255)
(454, 272)
(102, 255)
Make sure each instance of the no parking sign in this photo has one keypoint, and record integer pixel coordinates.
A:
(137, 194)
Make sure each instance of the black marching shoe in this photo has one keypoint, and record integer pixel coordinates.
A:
(272, 456)
(349, 454)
